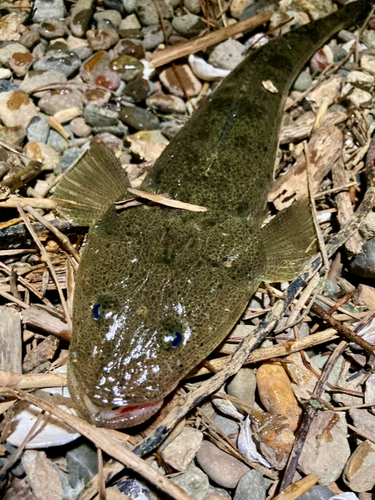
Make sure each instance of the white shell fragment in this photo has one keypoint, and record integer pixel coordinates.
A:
(268, 85)
(227, 408)
(205, 71)
(51, 430)
(247, 446)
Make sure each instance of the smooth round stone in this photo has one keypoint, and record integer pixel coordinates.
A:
(38, 129)
(82, 464)
(243, 386)
(35, 79)
(57, 47)
(303, 81)
(137, 90)
(172, 78)
(83, 52)
(5, 73)
(109, 140)
(251, 485)
(59, 99)
(81, 17)
(115, 5)
(317, 492)
(98, 97)
(188, 25)
(147, 13)
(100, 117)
(45, 9)
(16, 108)
(7, 85)
(165, 103)
(193, 6)
(128, 47)
(227, 55)
(14, 136)
(52, 28)
(119, 130)
(39, 50)
(20, 63)
(80, 128)
(56, 141)
(66, 63)
(339, 54)
(111, 15)
(369, 38)
(226, 424)
(153, 35)
(102, 39)
(68, 158)
(129, 23)
(127, 66)
(139, 118)
(29, 38)
(193, 481)
(364, 263)
(7, 49)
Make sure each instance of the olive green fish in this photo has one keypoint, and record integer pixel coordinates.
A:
(158, 288)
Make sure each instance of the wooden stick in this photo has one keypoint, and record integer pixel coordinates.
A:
(47, 204)
(295, 490)
(162, 200)
(161, 57)
(31, 380)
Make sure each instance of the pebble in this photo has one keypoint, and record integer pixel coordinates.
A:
(5, 73)
(14, 136)
(38, 129)
(359, 473)
(57, 142)
(194, 482)
(238, 6)
(153, 35)
(39, 50)
(109, 140)
(38, 151)
(66, 63)
(47, 9)
(35, 79)
(250, 486)
(82, 464)
(139, 118)
(243, 386)
(146, 12)
(276, 393)
(188, 25)
(98, 97)
(134, 489)
(42, 476)
(129, 47)
(227, 55)
(369, 38)
(326, 449)
(366, 296)
(20, 63)
(62, 98)
(364, 264)
(181, 451)
(16, 108)
(192, 6)
(68, 158)
(367, 63)
(359, 96)
(273, 437)
(111, 15)
(221, 468)
(119, 130)
(52, 28)
(206, 71)
(320, 360)
(127, 66)
(96, 71)
(192, 85)
(96, 116)
(138, 90)
(102, 39)
(303, 82)
(129, 5)
(29, 38)
(80, 128)
(317, 492)
(360, 79)
(345, 36)
(363, 420)
(129, 23)
(327, 90)
(165, 103)
(7, 49)
(80, 17)
(227, 425)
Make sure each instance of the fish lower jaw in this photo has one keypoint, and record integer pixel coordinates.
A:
(121, 417)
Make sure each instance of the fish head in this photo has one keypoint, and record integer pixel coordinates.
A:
(149, 305)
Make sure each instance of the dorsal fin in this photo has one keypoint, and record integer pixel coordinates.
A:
(87, 190)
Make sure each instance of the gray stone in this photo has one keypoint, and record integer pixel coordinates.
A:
(7, 49)
(367, 62)
(38, 129)
(80, 128)
(339, 54)
(367, 228)
(82, 464)
(317, 492)
(42, 476)
(360, 79)
(139, 118)
(227, 55)
(129, 5)
(194, 482)
(369, 38)
(69, 156)
(81, 16)
(111, 15)
(181, 451)
(165, 103)
(227, 425)
(119, 130)
(39, 50)
(303, 81)
(83, 52)
(325, 455)
(364, 263)
(153, 35)
(57, 141)
(66, 63)
(320, 361)
(130, 23)
(57, 100)
(243, 386)
(222, 468)
(193, 6)
(251, 486)
(359, 473)
(52, 28)
(134, 489)
(35, 79)
(97, 116)
(48, 8)
(345, 36)
(147, 13)
(363, 420)
(188, 25)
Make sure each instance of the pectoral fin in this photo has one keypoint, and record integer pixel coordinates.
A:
(286, 239)
(95, 182)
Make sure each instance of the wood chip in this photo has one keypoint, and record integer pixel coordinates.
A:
(162, 200)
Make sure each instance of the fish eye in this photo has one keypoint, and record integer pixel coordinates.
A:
(96, 312)
(177, 339)
(171, 339)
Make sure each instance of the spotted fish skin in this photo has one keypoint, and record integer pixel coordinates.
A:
(158, 289)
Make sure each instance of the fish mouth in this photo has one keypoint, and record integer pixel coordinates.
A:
(120, 417)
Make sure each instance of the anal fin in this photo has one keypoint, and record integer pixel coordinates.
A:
(95, 182)
(286, 239)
